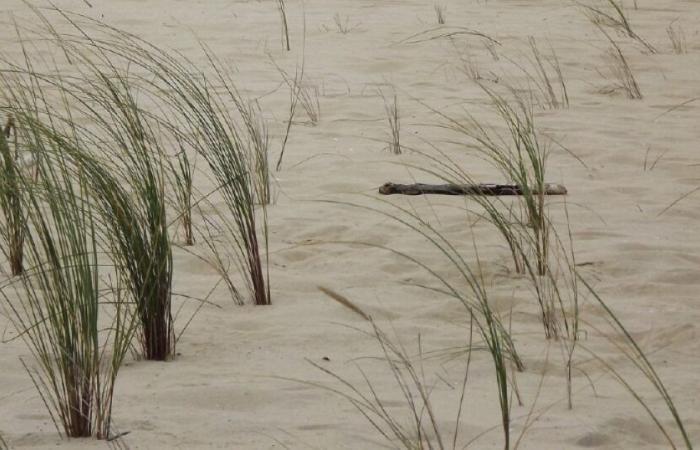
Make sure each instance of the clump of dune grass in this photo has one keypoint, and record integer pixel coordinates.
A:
(202, 113)
(546, 81)
(557, 283)
(468, 63)
(439, 13)
(222, 137)
(137, 217)
(622, 75)
(225, 151)
(614, 17)
(302, 93)
(391, 108)
(309, 99)
(127, 178)
(343, 24)
(13, 226)
(521, 157)
(524, 162)
(520, 154)
(559, 292)
(141, 247)
(58, 305)
(677, 37)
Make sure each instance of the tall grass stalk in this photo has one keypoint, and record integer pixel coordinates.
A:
(282, 8)
(182, 182)
(630, 349)
(259, 148)
(571, 287)
(13, 226)
(293, 103)
(299, 94)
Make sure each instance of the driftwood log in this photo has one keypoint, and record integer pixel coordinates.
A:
(464, 189)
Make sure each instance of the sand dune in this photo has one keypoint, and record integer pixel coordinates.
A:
(232, 383)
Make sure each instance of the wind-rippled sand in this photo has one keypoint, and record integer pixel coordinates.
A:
(229, 386)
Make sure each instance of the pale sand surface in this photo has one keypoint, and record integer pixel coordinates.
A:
(224, 389)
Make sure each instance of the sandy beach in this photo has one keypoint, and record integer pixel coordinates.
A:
(250, 377)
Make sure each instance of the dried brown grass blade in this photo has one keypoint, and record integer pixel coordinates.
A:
(345, 302)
